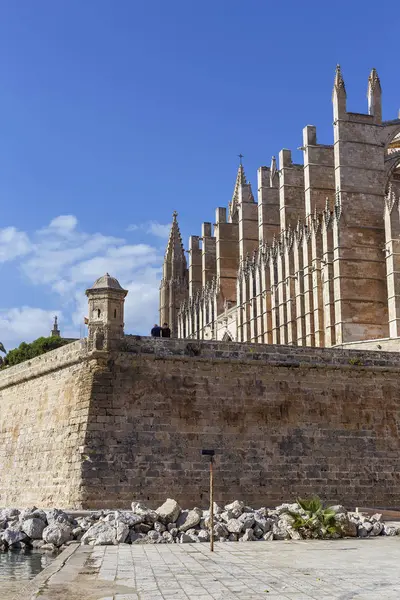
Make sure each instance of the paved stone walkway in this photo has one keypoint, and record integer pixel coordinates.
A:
(342, 569)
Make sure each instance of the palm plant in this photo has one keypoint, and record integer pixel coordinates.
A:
(315, 520)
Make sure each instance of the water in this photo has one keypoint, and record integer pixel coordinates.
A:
(17, 568)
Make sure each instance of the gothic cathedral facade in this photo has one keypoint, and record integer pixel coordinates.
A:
(315, 261)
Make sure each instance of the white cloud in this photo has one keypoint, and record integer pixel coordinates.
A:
(64, 260)
(13, 243)
(154, 228)
(25, 324)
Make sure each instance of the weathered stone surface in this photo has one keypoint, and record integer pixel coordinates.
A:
(348, 527)
(57, 533)
(248, 536)
(203, 536)
(269, 536)
(12, 535)
(169, 511)
(100, 534)
(279, 531)
(234, 526)
(33, 528)
(149, 516)
(80, 389)
(188, 519)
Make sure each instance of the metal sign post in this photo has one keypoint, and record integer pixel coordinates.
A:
(211, 453)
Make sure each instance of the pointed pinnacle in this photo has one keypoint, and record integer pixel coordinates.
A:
(339, 81)
(373, 79)
(174, 215)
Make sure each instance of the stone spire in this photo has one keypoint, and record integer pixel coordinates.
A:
(174, 284)
(55, 332)
(175, 259)
(374, 95)
(240, 182)
(339, 95)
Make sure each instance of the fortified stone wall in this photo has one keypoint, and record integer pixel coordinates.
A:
(100, 429)
(43, 412)
(284, 422)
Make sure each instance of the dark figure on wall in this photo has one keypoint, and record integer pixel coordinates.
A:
(165, 331)
(156, 331)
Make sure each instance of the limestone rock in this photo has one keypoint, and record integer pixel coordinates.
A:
(174, 531)
(128, 517)
(220, 530)
(56, 515)
(149, 516)
(169, 511)
(279, 531)
(7, 513)
(233, 537)
(188, 519)
(168, 537)
(377, 528)
(142, 528)
(121, 532)
(234, 526)
(268, 537)
(57, 533)
(12, 535)
(248, 535)
(258, 532)
(137, 538)
(236, 508)
(389, 530)
(33, 528)
(247, 520)
(154, 537)
(33, 513)
(203, 536)
(100, 534)
(37, 544)
(160, 527)
(294, 534)
(376, 517)
(347, 525)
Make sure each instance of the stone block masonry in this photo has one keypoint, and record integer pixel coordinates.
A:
(99, 429)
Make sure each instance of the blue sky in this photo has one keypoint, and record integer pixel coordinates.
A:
(115, 113)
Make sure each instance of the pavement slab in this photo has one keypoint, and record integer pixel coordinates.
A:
(362, 569)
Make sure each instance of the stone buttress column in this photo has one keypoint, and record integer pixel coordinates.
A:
(268, 227)
(194, 265)
(208, 256)
(227, 258)
(308, 285)
(361, 311)
(319, 184)
(299, 284)
(290, 270)
(317, 292)
(274, 251)
(327, 277)
(281, 288)
(392, 233)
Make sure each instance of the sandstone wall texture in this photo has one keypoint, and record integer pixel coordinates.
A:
(43, 412)
(283, 421)
(101, 429)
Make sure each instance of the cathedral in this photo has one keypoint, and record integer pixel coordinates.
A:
(315, 259)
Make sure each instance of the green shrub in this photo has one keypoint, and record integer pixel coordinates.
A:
(27, 351)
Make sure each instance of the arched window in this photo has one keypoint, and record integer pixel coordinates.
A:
(98, 313)
(115, 313)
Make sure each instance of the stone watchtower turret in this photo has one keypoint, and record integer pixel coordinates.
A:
(106, 313)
